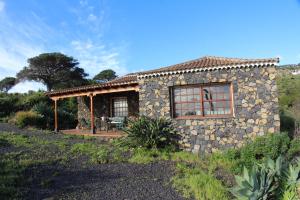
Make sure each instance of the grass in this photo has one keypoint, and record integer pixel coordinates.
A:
(194, 176)
(197, 183)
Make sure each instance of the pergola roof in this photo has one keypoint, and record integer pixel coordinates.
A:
(130, 79)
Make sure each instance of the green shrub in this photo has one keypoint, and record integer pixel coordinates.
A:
(29, 119)
(45, 110)
(9, 103)
(150, 133)
(294, 149)
(32, 98)
(270, 145)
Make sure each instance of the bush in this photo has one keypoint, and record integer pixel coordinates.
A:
(29, 119)
(294, 148)
(9, 103)
(46, 112)
(270, 145)
(150, 133)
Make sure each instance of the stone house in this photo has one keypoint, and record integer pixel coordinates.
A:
(214, 102)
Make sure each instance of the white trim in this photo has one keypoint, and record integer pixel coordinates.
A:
(156, 74)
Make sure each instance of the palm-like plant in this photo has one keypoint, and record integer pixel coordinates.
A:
(150, 133)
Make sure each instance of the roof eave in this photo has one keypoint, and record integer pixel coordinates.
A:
(200, 69)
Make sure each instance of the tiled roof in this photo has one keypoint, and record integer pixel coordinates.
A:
(209, 63)
(124, 80)
(201, 64)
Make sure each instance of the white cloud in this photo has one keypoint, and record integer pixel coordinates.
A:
(97, 57)
(26, 86)
(92, 17)
(22, 38)
(2, 5)
(18, 42)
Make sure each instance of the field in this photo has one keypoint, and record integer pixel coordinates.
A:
(38, 165)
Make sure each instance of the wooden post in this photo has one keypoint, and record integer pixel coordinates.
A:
(93, 131)
(55, 116)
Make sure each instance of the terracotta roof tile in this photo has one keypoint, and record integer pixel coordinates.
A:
(210, 62)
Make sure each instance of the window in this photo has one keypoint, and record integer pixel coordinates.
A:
(205, 101)
(120, 107)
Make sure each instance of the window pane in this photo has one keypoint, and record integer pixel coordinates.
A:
(216, 100)
(120, 107)
(190, 91)
(183, 98)
(177, 99)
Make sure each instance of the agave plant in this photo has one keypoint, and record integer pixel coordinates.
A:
(292, 183)
(262, 182)
(256, 185)
(269, 180)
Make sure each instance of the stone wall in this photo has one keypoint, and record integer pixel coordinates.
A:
(102, 107)
(255, 102)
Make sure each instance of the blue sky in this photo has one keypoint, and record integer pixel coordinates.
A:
(135, 35)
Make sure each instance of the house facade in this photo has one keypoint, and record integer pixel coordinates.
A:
(214, 102)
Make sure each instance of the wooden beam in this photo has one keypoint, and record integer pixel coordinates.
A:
(96, 91)
(55, 116)
(93, 131)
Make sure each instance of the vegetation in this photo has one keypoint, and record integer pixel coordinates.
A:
(105, 75)
(208, 177)
(7, 83)
(37, 102)
(270, 180)
(289, 100)
(55, 70)
(268, 146)
(150, 133)
(28, 119)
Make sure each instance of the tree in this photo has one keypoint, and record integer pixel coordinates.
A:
(55, 70)
(105, 75)
(7, 83)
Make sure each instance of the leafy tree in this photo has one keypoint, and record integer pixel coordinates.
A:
(7, 83)
(55, 70)
(105, 75)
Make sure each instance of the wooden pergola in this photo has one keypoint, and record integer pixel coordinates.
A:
(120, 85)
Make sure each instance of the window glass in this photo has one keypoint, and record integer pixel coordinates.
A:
(216, 100)
(120, 107)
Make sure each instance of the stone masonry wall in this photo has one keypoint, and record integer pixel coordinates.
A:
(102, 107)
(255, 102)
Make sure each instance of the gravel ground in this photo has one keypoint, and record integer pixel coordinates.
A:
(96, 181)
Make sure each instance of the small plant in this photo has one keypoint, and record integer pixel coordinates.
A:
(292, 182)
(270, 180)
(150, 133)
(268, 146)
(28, 119)
(258, 184)
(194, 182)
(294, 149)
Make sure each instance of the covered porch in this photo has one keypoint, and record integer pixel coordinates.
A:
(102, 108)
